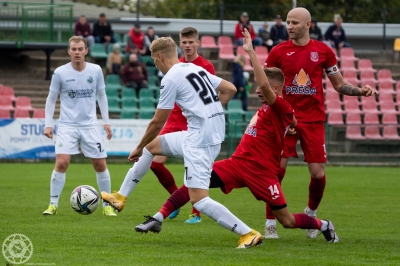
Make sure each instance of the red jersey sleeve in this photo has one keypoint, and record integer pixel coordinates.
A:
(272, 59)
(285, 109)
(210, 68)
(330, 58)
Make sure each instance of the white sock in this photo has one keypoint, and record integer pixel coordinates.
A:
(222, 215)
(311, 212)
(159, 217)
(57, 182)
(324, 225)
(136, 173)
(270, 222)
(104, 183)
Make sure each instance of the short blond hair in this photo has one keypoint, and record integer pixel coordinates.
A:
(77, 39)
(163, 45)
(241, 60)
(275, 74)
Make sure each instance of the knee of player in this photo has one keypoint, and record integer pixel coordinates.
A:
(99, 165)
(61, 166)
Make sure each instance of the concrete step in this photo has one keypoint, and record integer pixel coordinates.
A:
(394, 67)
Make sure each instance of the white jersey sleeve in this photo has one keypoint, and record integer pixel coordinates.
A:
(168, 92)
(100, 80)
(56, 82)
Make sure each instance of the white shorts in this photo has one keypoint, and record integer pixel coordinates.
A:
(89, 139)
(198, 161)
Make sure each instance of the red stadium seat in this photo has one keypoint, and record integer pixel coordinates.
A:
(21, 113)
(335, 118)
(353, 119)
(385, 75)
(368, 99)
(351, 107)
(368, 76)
(350, 74)
(333, 106)
(398, 100)
(389, 118)
(383, 97)
(332, 95)
(247, 66)
(388, 107)
(226, 52)
(23, 102)
(354, 133)
(261, 52)
(7, 92)
(398, 86)
(6, 103)
(4, 114)
(365, 64)
(39, 113)
(371, 119)
(347, 98)
(347, 65)
(347, 53)
(370, 107)
(372, 132)
(386, 87)
(208, 42)
(240, 51)
(390, 132)
(225, 41)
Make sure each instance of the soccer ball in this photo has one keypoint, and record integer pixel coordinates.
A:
(84, 199)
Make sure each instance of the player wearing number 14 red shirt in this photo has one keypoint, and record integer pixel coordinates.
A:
(303, 62)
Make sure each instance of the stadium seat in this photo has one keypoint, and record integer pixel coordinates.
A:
(130, 104)
(147, 60)
(113, 105)
(386, 87)
(128, 93)
(333, 106)
(370, 107)
(146, 114)
(152, 71)
(6, 91)
(365, 64)
(351, 107)
(350, 74)
(113, 82)
(383, 97)
(368, 77)
(234, 106)
(347, 53)
(226, 52)
(372, 132)
(21, 113)
(153, 81)
(39, 113)
(225, 41)
(398, 86)
(240, 51)
(353, 119)
(235, 116)
(145, 93)
(6, 104)
(261, 51)
(354, 133)
(385, 75)
(208, 42)
(332, 95)
(368, 99)
(388, 107)
(5, 114)
(146, 104)
(391, 133)
(389, 118)
(396, 45)
(347, 98)
(112, 93)
(248, 66)
(128, 114)
(347, 65)
(249, 115)
(329, 86)
(98, 51)
(23, 102)
(335, 118)
(371, 119)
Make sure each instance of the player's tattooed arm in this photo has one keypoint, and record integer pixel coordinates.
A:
(349, 89)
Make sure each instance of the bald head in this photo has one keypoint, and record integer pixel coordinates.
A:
(300, 13)
(298, 22)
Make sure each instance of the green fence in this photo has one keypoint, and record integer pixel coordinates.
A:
(35, 22)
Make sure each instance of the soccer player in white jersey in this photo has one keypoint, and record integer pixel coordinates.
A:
(78, 84)
(201, 96)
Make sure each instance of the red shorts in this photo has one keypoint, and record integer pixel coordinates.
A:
(172, 128)
(238, 173)
(312, 142)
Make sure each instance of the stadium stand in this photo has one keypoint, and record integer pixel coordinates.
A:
(347, 65)
(39, 113)
(370, 107)
(353, 119)
(371, 119)
(372, 132)
(21, 113)
(98, 51)
(385, 75)
(365, 64)
(225, 41)
(335, 118)
(6, 91)
(389, 119)
(23, 102)
(6, 104)
(208, 42)
(390, 133)
(347, 53)
(5, 114)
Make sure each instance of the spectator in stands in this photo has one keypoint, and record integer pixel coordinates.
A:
(136, 41)
(315, 31)
(244, 23)
(149, 37)
(82, 29)
(336, 34)
(239, 81)
(115, 60)
(265, 36)
(134, 74)
(102, 31)
(279, 33)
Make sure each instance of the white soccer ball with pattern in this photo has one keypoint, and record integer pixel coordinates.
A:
(84, 199)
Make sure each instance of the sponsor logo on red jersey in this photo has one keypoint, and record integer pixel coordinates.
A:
(301, 84)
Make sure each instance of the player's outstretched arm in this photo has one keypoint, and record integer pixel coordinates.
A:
(226, 91)
(259, 74)
(346, 88)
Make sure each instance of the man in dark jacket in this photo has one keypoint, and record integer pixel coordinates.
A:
(102, 30)
(279, 32)
(336, 35)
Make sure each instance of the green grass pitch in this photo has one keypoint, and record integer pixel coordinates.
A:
(361, 201)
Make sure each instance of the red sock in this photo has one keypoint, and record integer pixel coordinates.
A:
(280, 175)
(304, 221)
(164, 176)
(316, 191)
(178, 199)
(194, 211)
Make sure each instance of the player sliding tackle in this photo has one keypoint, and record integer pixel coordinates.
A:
(255, 163)
(201, 96)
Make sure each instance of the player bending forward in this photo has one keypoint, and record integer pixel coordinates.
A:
(195, 91)
(255, 163)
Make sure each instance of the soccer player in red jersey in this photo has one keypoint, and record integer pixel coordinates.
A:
(303, 61)
(255, 163)
(189, 42)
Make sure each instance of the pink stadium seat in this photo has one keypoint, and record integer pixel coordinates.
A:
(346, 65)
(390, 132)
(21, 113)
(261, 52)
(6, 103)
(368, 99)
(350, 74)
(240, 51)
(333, 106)
(372, 132)
(368, 76)
(398, 86)
(386, 87)
(224, 41)
(329, 86)
(347, 98)
(347, 53)
(365, 64)
(353, 119)
(226, 52)
(4, 114)
(332, 95)
(6, 91)
(385, 75)
(389, 118)
(351, 107)
(247, 66)
(371, 119)
(370, 107)
(398, 99)
(388, 107)
(208, 42)
(23, 102)
(335, 118)
(38, 113)
(354, 132)
(354, 82)
(383, 97)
